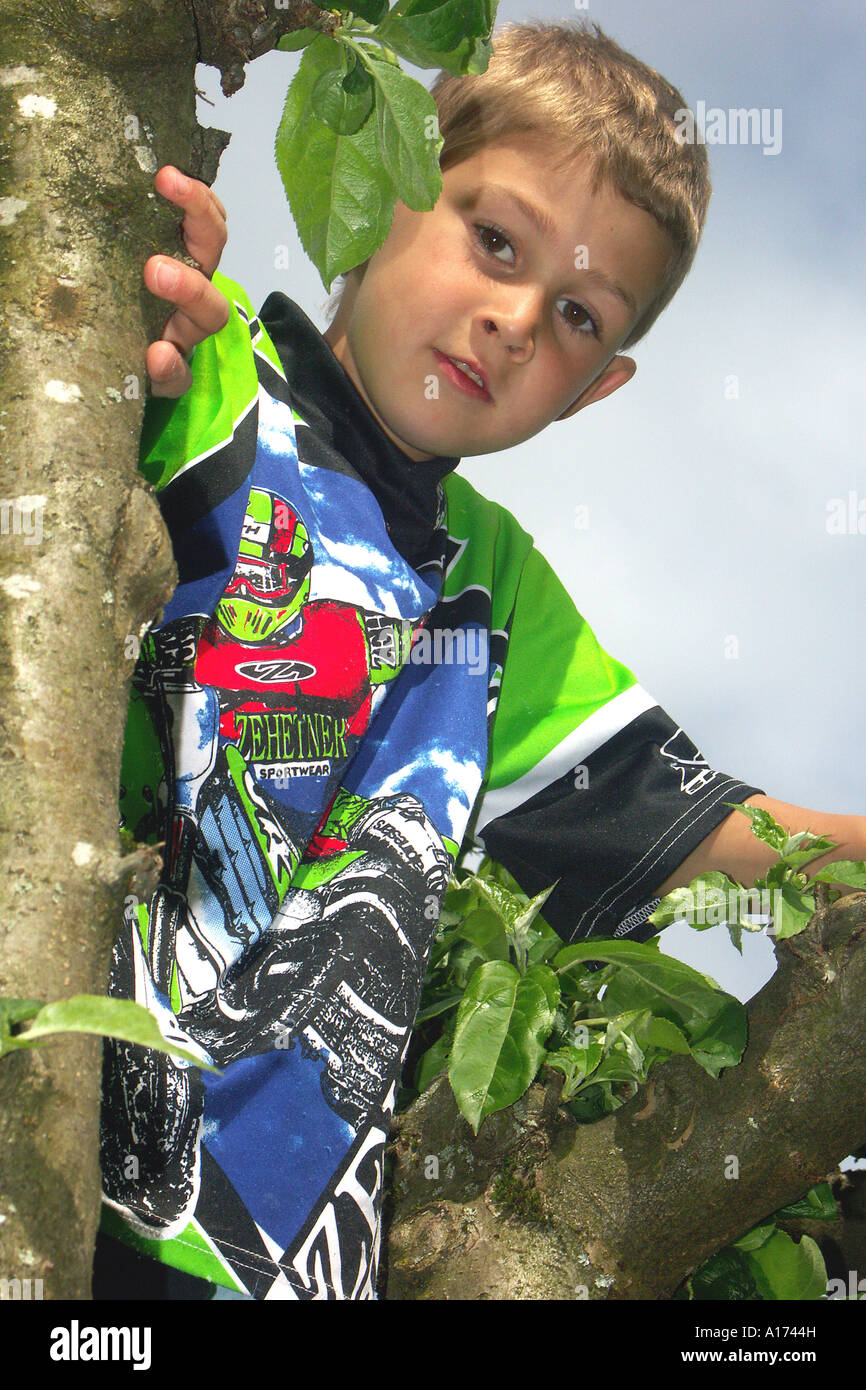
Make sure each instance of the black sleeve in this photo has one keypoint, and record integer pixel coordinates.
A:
(615, 829)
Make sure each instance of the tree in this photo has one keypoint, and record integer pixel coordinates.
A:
(77, 218)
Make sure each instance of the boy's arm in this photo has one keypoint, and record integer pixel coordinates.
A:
(592, 786)
(201, 309)
(733, 849)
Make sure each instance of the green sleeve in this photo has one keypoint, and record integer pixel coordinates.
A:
(556, 675)
(224, 382)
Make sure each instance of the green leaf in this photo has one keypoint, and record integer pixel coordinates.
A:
(776, 875)
(674, 907)
(440, 1006)
(443, 945)
(451, 34)
(801, 848)
(546, 945)
(722, 1041)
(796, 911)
(617, 1066)
(759, 1235)
(528, 913)
(713, 1022)
(709, 900)
(848, 871)
(506, 904)
(343, 99)
(724, 1276)
(341, 197)
(433, 1061)
(477, 58)
(518, 915)
(13, 1011)
(704, 903)
(592, 1102)
(619, 1030)
(576, 1064)
(443, 23)
(819, 1204)
(578, 982)
(371, 10)
(480, 926)
(763, 825)
(463, 961)
(502, 1023)
(786, 1270)
(484, 928)
(112, 1018)
(661, 1033)
(658, 982)
(459, 900)
(298, 38)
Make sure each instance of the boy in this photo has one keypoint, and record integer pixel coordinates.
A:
(368, 669)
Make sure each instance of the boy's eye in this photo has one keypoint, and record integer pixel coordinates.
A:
(577, 317)
(494, 240)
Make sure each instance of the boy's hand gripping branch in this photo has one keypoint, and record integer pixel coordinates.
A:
(200, 307)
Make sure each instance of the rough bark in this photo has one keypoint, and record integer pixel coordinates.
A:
(232, 32)
(539, 1207)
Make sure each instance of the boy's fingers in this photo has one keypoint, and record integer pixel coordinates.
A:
(204, 225)
(169, 374)
(181, 189)
(201, 310)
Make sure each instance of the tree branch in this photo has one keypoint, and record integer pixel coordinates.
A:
(626, 1208)
(234, 32)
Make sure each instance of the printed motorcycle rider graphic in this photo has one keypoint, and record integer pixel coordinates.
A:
(274, 687)
(292, 676)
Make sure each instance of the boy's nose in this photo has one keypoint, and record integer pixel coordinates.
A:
(516, 321)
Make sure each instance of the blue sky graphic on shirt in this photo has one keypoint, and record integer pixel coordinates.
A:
(272, 1132)
(402, 753)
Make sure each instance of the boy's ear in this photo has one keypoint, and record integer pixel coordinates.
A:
(618, 371)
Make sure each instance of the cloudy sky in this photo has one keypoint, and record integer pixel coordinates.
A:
(707, 565)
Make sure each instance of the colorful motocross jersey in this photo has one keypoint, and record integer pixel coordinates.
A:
(366, 670)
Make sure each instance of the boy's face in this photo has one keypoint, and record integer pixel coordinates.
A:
(526, 306)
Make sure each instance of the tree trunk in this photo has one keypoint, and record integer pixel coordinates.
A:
(94, 96)
(539, 1207)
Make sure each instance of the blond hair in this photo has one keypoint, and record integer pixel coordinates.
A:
(574, 87)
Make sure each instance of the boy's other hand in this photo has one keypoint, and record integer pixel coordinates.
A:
(201, 308)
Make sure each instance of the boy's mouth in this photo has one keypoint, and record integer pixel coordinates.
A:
(466, 376)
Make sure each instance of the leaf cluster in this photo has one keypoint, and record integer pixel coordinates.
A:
(715, 897)
(508, 998)
(766, 1264)
(357, 132)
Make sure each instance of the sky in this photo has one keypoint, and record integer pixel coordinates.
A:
(709, 519)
